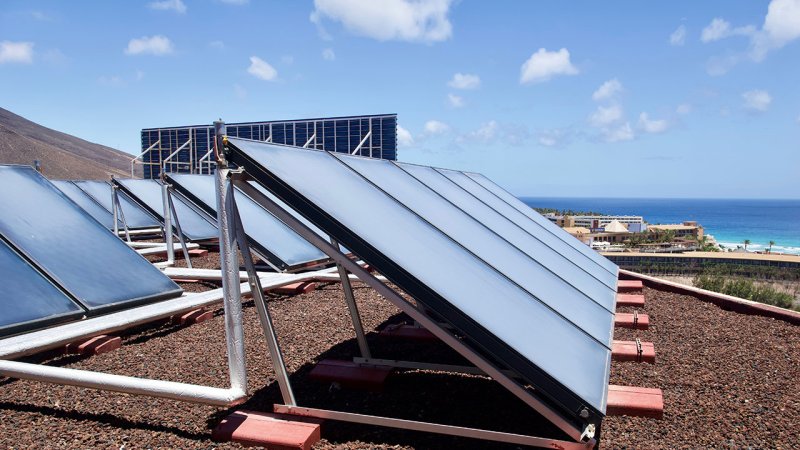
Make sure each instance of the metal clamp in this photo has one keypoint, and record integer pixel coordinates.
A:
(639, 351)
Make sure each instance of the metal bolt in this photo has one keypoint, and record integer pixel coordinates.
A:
(585, 413)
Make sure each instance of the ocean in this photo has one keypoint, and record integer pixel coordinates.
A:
(729, 221)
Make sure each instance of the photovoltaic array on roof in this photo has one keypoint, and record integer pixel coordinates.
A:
(269, 237)
(135, 216)
(535, 314)
(95, 268)
(86, 202)
(148, 194)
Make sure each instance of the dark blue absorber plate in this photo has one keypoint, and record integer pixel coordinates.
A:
(135, 216)
(86, 202)
(77, 252)
(28, 299)
(149, 193)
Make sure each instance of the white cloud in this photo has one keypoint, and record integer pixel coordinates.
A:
(165, 5)
(16, 52)
(544, 65)
(328, 54)
(485, 133)
(721, 29)
(622, 133)
(683, 109)
(781, 26)
(262, 69)
(384, 20)
(652, 126)
(607, 90)
(756, 100)
(154, 45)
(464, 81)
(434, 127)
(553, 138)
(404, 138)
(605, 116)
(455, 101)
(678, 37)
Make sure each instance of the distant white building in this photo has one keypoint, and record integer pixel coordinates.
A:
(634, 224)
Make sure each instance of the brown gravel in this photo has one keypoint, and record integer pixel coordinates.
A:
(729, 381)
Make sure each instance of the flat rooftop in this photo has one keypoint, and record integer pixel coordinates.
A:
(728, 380)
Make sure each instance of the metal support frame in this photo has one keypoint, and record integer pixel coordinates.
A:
(170, 214)
(133, 161)
(584, 438)
(347, 289)
(118, 213)
(310, 140)
(168, 158)
(206, 157)
(361, 144)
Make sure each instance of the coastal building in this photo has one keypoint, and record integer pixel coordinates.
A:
(632, 223)
(690, 229)
(580, 233)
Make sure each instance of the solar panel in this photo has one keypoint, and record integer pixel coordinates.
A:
(76, 251)
(531, 274)
(148, 193)
(27, 298)
(569, 265)
(135, 216)
(508, 199)
(86, 202)
(268, 236)
(565, 364)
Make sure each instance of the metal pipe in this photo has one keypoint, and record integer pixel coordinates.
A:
(361, 144)
(57, 336)
(133, 161)
(310, 140)
(178, 227)
(119, 383)
(229, 262)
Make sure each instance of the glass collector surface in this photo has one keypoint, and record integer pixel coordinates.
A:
(524, 324)
(258, 223)
(93, 265)
(194, 226)
(534, 277)
(26, 295)
(85, 201)
(135, 217)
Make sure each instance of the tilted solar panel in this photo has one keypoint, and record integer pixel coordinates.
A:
(27, 298)
(148, 192)
(268, 236)
(86, 202)
(135, 216)
(504, 197)
(563, 362)
(531, 274)
(77, 252)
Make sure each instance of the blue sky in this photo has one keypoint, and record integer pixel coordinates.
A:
(621, 99)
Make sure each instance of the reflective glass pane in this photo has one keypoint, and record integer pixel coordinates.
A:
(522, 323)
(135, 216)
(86, 202)
(92, 264)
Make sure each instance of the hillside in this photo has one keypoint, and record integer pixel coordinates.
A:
(63, 156)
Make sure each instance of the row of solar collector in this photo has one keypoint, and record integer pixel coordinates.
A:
(489, 265)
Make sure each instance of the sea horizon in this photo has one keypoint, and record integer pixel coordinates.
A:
(730, 221)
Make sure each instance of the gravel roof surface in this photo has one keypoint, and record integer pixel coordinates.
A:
(729, 381)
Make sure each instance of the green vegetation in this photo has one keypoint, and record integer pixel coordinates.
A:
(693, 267)
(746, 243)
(743, 288)
(566, 212)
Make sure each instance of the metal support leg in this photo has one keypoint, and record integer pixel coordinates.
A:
(281, 374)
(118, 212)
(230, 285)
(167, 225)
(178, 228)
(353, 307)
